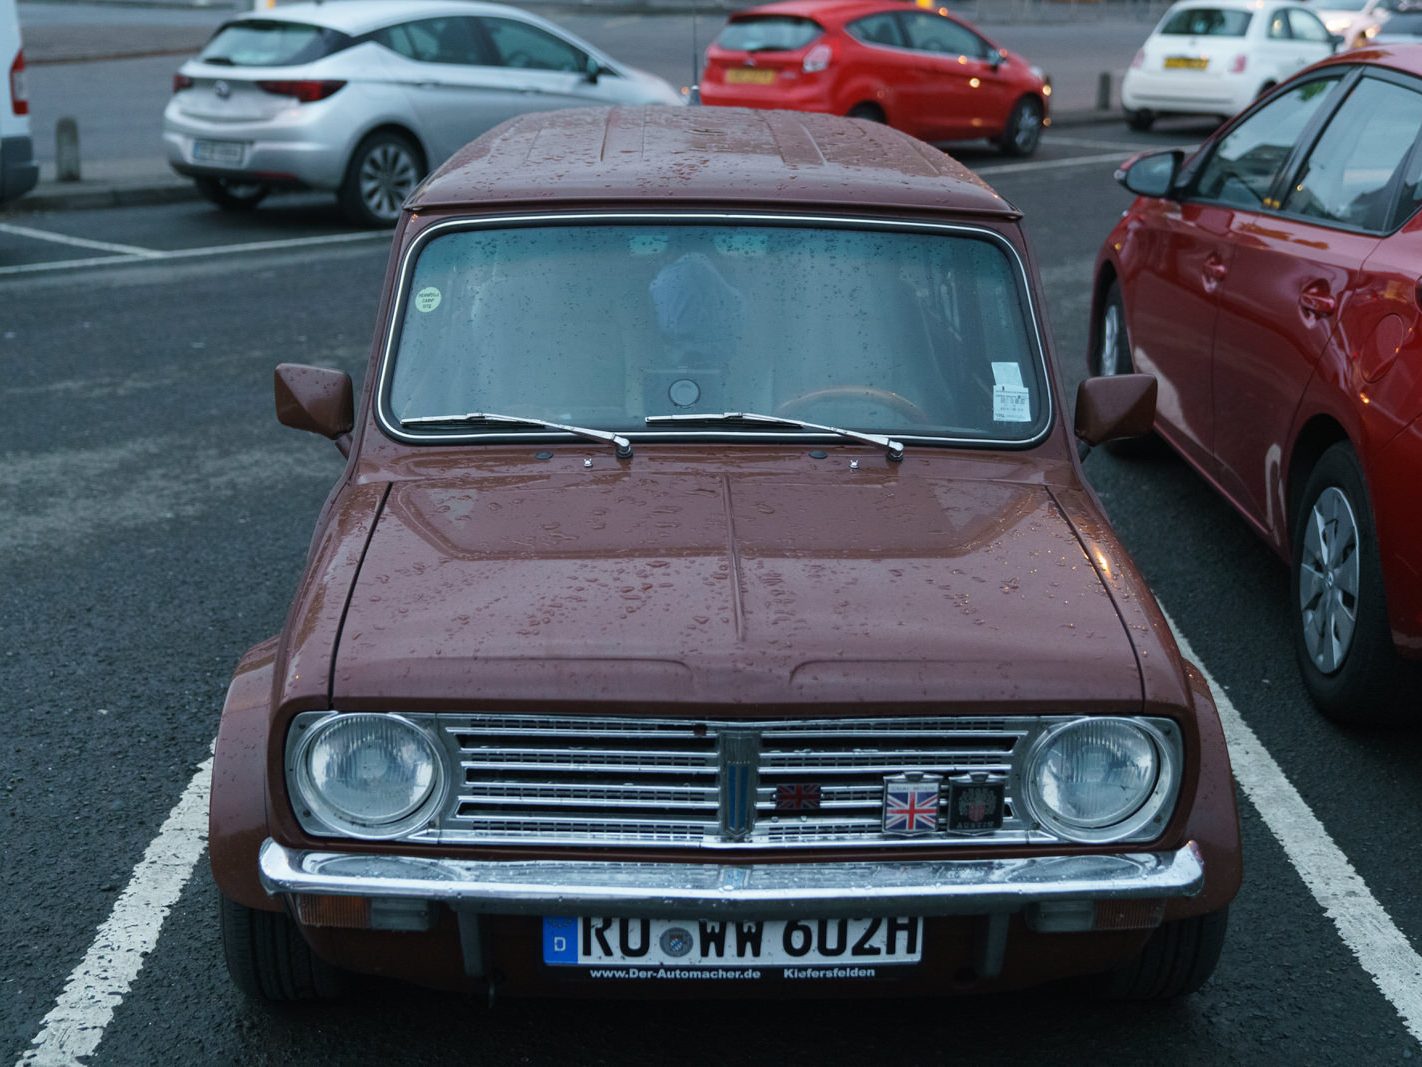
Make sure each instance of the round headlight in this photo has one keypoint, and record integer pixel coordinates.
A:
(368, 775)
(1098, 779)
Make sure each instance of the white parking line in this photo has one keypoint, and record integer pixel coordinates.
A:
(1052, 164)
(1366, 928)
(77, 242)
(150, 256)
(1086, 142)
(75, 1025)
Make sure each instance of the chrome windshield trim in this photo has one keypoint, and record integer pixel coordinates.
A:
(390, 425)
(574, 887)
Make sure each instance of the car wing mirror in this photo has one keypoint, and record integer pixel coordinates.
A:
(996, 57)
(316, 399)
(593, 70)
(1336, 40)
(1122, 405)
(1151, 173)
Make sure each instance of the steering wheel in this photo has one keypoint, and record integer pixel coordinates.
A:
(901, 404)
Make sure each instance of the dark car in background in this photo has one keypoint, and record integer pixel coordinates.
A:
(922, 71)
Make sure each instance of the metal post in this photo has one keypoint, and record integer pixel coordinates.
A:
(1103, 91)
(66, 149)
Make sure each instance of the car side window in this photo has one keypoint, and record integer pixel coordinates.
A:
(1248, 158)
(1279, 26)
(442, 40)
(878, 29)
(529, 48)
(941, 36)
(1359, 167)
(1307, 26)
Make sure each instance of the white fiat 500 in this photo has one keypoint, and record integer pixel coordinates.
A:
(365, 97)
(1215, 58)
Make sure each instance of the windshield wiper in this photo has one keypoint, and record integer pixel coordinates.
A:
(476, 418)
(894, 449)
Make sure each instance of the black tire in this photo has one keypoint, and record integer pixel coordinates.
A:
(232, 195)
(870, 112)
(1178, 959)
(1024, 129)
(1140, 121)
(383, 170)
(269, 960)
(1118, 361)
(1360, 681)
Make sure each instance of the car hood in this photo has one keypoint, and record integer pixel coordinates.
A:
(743, 591)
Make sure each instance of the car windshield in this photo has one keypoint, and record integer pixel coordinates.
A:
(1205, 22)
(269, 43)
(776, 33)
(909, 333)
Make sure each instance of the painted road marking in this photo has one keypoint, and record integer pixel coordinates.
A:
(1086, 142)
(77, 242)
(1366, 928)
(151, 256)
(75, 1025)
(1051, 164)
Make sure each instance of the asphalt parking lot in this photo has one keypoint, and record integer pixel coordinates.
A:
(157, 520)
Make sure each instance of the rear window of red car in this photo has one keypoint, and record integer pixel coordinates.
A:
(768, 33)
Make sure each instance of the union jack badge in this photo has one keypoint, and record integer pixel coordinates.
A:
(975, 802)
(797, 796)
(911, 804)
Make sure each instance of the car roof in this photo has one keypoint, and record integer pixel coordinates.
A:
(705, 157)
(825, 10)
(361, 16)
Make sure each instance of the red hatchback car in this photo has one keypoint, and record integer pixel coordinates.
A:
(1271, 283)
(921, 71)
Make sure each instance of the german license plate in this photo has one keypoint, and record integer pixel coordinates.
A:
(1186, 63)
(217, 151)
(747, 76)
(792, 945)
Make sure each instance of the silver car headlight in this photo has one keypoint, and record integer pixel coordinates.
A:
(1103, 779)
(363, 775)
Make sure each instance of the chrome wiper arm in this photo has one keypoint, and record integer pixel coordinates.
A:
(622, 444)
(893, 449)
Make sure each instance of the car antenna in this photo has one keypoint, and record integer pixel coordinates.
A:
(694, 97)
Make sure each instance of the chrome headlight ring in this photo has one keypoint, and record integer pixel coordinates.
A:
(319, 814)
(1145, 821)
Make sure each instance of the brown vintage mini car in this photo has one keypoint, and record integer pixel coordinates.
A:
(712, 602)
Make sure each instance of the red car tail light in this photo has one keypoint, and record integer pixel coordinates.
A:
(1139, 61)
(817, 59)
(1238, 63)
(307, 91)
(19, 95)
(181, 82)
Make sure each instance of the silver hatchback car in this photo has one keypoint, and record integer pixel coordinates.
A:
(364, 97)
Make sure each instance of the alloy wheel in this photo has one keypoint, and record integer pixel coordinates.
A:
(1110, 339)
(1328, 580)
(1028, 130)
(387, 175)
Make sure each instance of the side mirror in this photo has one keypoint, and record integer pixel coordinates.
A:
(318, 400)
(1336, 40)
(996, 57)
(1151, 173)
(593, 70)
(1122, 405)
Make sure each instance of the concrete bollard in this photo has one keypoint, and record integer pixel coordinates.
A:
(66, 149)
(1103, 91)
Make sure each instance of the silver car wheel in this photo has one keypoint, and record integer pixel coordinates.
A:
(1029, 128)
(1110, 339)
(1328, 580)
(387, 175)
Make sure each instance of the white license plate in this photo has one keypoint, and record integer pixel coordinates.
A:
(218, 151)
(777, 943)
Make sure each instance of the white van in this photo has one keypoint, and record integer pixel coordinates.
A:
(18, 169)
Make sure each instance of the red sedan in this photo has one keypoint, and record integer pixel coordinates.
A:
(921, 71)
(1270, 282)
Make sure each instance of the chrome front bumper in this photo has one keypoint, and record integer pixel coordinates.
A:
(654, 890)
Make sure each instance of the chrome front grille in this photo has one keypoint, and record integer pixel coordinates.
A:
(521, 779)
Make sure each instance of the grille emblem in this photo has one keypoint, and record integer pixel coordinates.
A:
(738, 752)
(797, 796)
(911, 804)
(222, 89)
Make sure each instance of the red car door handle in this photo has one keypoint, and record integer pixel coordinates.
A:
(1317, 299)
